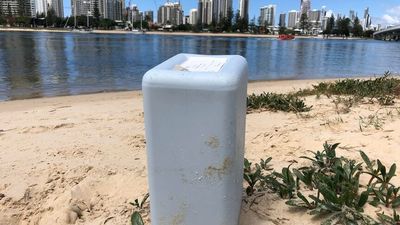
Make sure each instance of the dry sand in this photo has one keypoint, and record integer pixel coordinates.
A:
(88, 151)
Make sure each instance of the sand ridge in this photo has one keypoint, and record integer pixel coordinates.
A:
(81, 159)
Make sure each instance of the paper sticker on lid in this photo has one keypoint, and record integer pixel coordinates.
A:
(202, 64)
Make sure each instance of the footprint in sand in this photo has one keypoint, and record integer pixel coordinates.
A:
(41, 129)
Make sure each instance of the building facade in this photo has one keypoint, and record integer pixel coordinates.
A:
(367, 22)
(305, 6)
(18, 8)
(244, 9)
(193, 16)
(267, 15)
(170, 14)
(205, 11)
(293, 19)
(282, 20)
(149, 16)
(57, 6)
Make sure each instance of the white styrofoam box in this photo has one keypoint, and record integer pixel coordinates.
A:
(195, 108)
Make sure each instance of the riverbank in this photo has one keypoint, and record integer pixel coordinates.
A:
(88, 151)
(237, 35)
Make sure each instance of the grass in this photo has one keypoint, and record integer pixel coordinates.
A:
(382, 90)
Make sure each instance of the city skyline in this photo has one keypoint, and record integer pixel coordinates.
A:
(384, 12)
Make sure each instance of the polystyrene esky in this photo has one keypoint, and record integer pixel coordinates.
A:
(195, 128)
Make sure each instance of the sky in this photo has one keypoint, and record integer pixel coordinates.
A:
(385, 12)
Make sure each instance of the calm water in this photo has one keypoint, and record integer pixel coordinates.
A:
(49, 64)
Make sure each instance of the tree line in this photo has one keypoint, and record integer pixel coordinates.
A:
(341, 27)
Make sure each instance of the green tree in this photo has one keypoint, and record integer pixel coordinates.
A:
(304, 23)
(330, 25)
(344, 27)
(96, 14)
(51, 18)
(23, 21)
(282, 30)
(252, 25)
(357, 28)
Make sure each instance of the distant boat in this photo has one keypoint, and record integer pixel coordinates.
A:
(82, 31)
(136, 31)
(286, 37)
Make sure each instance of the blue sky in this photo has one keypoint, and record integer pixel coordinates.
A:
(382, 11)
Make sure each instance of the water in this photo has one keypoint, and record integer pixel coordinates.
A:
(52, 64)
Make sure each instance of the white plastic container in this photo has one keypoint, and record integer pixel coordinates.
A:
(195, 108)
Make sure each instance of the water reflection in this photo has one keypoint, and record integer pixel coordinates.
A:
(48, 64)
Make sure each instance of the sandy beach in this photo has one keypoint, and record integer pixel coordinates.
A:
(89, 151)
(237, 35)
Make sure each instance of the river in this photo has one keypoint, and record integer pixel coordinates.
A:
(37, 64)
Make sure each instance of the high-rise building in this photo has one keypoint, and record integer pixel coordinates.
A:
(9, 7)
(323, 11)
(170, 14)
(134, 14)
(110, 9)
(193, 16)
(205, 12)
(315, 16)
(367, 19)
(149, 16)
(244, 9)
(221, 8)
(186, 20)
(352, 15)
(41, 7)
(282, 20)
(113, 9)
(267, 15)
(292, 19)
(18, 7)
(81, 7)
(305, 6)
(57, 6)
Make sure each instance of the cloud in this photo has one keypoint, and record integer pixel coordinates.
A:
(392, 16)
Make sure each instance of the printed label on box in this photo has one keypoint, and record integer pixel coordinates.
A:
(202, 64)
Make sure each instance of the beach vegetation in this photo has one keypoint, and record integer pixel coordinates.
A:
(277, 102)
(347, 93)
(330, 187)
(136, 217)
(382, 89)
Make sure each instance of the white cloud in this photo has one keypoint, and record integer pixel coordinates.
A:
(392, 16)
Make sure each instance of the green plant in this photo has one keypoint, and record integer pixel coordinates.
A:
(325, 159)
(389, 220)
(380, 182)
(283, 183)
(382, 89)
(277, 102)
(255, 176)
(136, 217)
(139, 205)
(336, 181)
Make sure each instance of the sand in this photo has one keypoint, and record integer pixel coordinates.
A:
(64, 153)
(175, 33)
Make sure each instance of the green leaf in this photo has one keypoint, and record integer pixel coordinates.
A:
(382, 168)
(136, 219)
(392, 172)
(363, 199)
(366, 160)
(396, 202)
(328, 194)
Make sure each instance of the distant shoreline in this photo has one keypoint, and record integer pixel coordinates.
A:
(235, 35)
